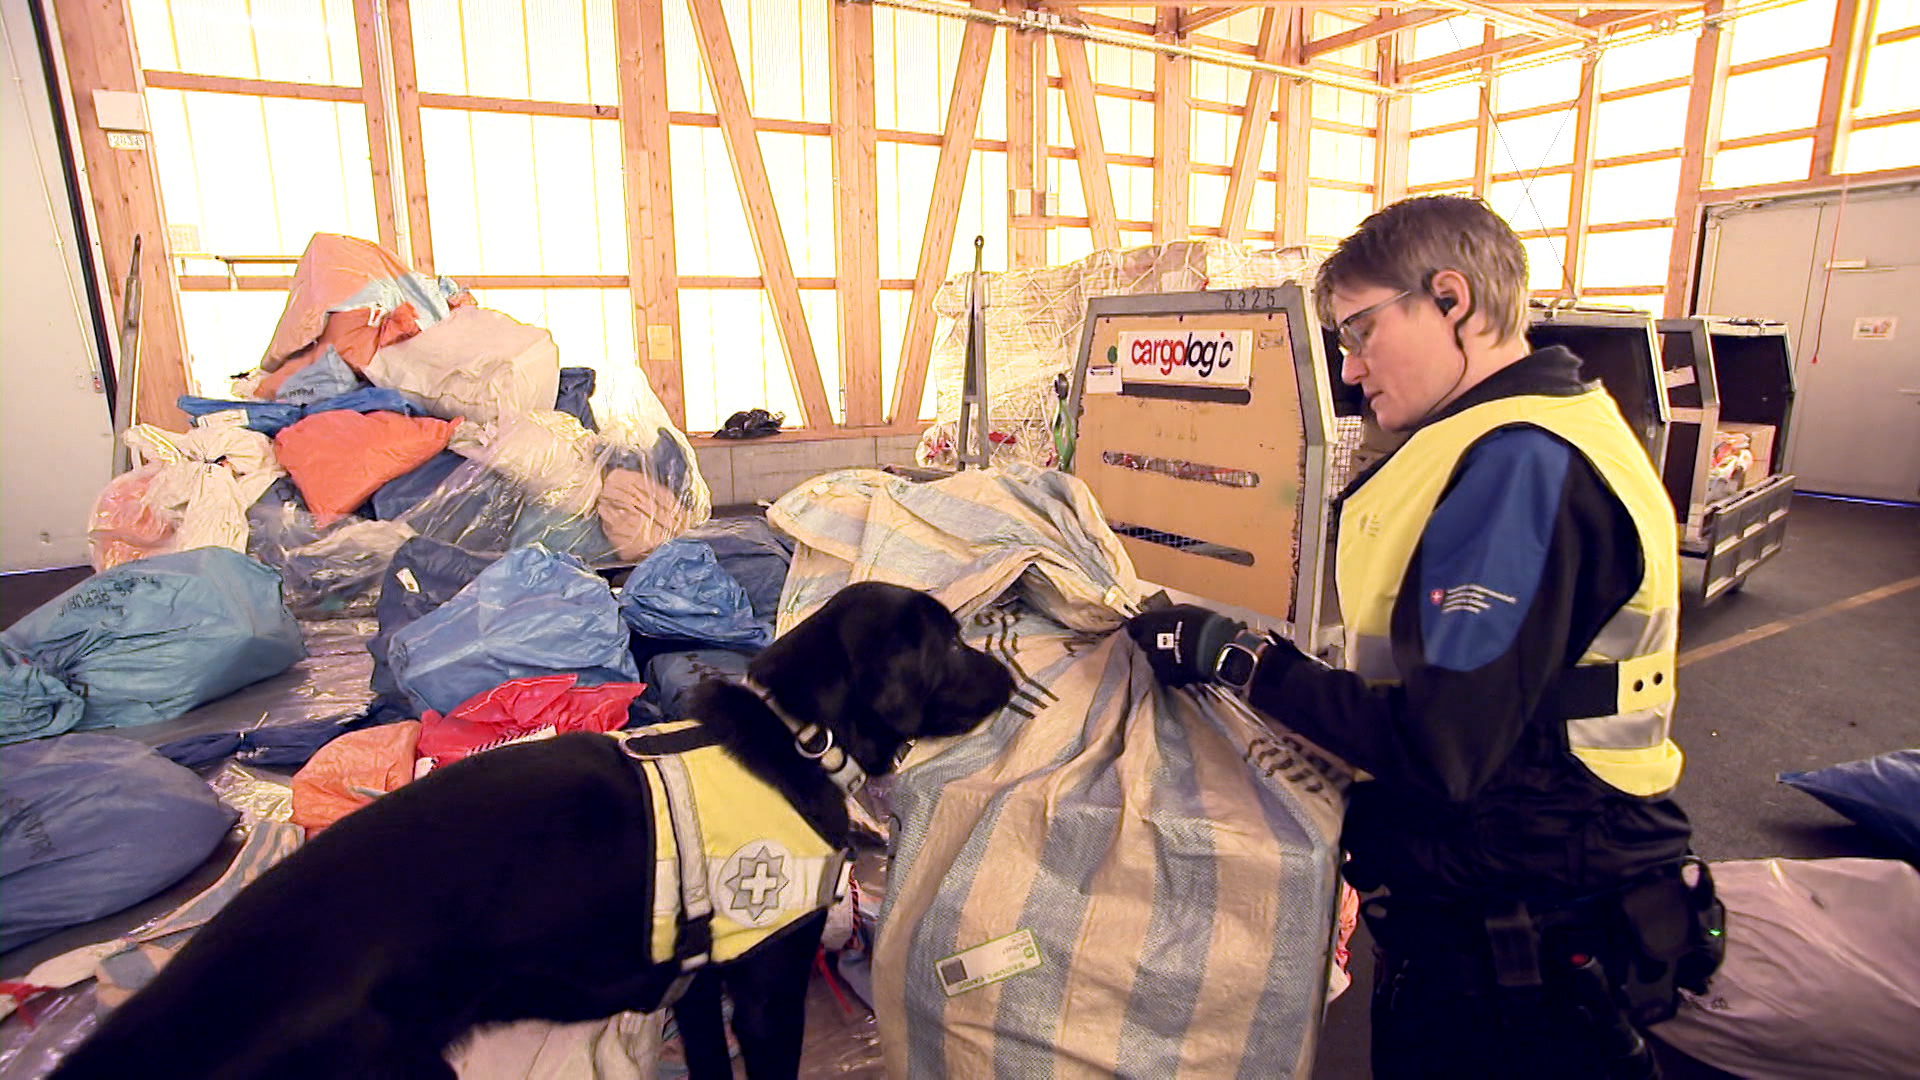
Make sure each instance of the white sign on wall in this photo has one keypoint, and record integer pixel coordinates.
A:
(1875, 327)
(1174, 357)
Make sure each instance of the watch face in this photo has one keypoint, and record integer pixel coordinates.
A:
(1236, 667)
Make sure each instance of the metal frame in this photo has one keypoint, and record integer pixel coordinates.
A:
(1653, 385)
(1700, 373)
(1308, 629)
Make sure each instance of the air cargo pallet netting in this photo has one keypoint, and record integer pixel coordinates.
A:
(1034, 319)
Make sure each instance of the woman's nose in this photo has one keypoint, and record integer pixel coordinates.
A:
(1351, 368)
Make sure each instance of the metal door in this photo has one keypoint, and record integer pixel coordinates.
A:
(1835, 268)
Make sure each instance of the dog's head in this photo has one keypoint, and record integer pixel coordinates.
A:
(881, 665)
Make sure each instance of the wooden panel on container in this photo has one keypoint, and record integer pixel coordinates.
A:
(1263, 436)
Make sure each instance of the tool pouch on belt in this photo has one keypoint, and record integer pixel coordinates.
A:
(1676, 933)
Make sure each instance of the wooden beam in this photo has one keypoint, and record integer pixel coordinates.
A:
(1396, 122)
(367, 30)
(1483, 143)
(1172, 135)
(1696, 165)
(1846, 59)
(1207, 16)
(943, 211)
(1255, 119)
(1855, 181)
(1026, 139)
(1295, 108)
(856, 194)
(1087, 140)
(1378, 28)
(1585, 117)
(1493, 47)
(653, 286)
(413, 154)
(222, 84)
(519, 106)
(763, 218)
(96, 41)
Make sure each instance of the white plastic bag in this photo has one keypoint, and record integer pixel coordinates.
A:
(476, 363)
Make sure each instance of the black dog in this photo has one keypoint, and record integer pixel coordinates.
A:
(518, 883)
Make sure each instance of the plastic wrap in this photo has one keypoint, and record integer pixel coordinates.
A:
(193, 491)
(123, 527)
(476, 364)
(522, 707)
(1034, 319)
(682, 593)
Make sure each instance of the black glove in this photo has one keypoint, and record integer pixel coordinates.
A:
(1183, 641)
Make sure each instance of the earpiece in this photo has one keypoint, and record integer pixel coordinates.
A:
(1445, 303)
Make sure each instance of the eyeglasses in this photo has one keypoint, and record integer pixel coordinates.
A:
(1352, 337)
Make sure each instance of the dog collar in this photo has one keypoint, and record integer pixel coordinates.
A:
(814, 742)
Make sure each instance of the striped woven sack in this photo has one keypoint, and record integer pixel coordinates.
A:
(1109, 878)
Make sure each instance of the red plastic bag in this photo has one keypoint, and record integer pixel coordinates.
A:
(522, 707)
(352, 771)
(123, 527)
(339, 458)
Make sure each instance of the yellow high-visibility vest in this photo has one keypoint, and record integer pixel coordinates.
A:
(1632, 658)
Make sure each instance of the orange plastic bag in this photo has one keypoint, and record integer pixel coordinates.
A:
(123, 527)
(521, 707)
(331, 271)
(339, 458)
(351, 771)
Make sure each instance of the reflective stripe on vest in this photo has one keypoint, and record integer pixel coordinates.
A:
(766, 867)
(1627, 745)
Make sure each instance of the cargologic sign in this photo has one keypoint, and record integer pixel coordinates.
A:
(1186, 357)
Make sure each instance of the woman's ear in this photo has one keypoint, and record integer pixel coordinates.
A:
(1451, 293)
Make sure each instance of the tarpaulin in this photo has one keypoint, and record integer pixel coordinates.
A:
(92, 824)
(521, 707)
(422, 575)
(268, 417)
(408, 490)
(532, 613)
(477, 364)
(1110, 878)
(340, 458)
(680, 592)
(327, 377)
(147, 641)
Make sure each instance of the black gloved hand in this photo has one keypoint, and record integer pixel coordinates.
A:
(1183, 641)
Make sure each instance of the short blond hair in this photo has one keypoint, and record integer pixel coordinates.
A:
(1402, 246)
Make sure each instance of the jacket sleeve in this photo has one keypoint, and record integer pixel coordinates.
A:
(1493, 606)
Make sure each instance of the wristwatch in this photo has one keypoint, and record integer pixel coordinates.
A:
(1239, 658)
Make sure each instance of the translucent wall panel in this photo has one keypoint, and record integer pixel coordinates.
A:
(1894, 146)
(591, 328)
(687, 88)
(1112, 65)
(1065, 245)
(1326, 24)
(822, 309)
(1778, 99)
(731, 357)
(524, 194)
(1547, 84)
(1212, 82)
(906, 190)
(1767, 164)
(1126, 125)
(801, 168)
(546, 50)
(1448, 35)
(1634, 125)
(1132, 192)
(1262, 207)
(894, 305)
(1433, 158)
(1892, 80)
(308, 41)
(1207, 199)
(785, 56)
(1213, 137)
(1333, 213)
(1805, 25)
(1446, 106)
(1536, 142)
(983, 212)
(915, 59)
(1336, 155)
(1540, 203)
(260, 176)
(1625, 258)
(1546, 259)
(226, 334)
(1650, 304)
(1652, 60)
(709, 222)
(1641, 192)
(1063, 183)
(1346, 106)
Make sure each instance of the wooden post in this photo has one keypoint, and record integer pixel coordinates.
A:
(413, 156)
(1395, 125)
(943, 212)
(763, 219)
(369, 31)
(856, 188)
(1255, 118)
(1172, 139)
(1483, 125)
(1708, 91)
(652, 268)
(1846, 56)
(1090, 148)
(1026, 145)
(1585, 115)
(96, 39)
(1296, 131)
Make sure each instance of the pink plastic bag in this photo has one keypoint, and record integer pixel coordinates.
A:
(123, 527)
(522, 707)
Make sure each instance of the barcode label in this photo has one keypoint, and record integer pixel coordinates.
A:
(1001, 958)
